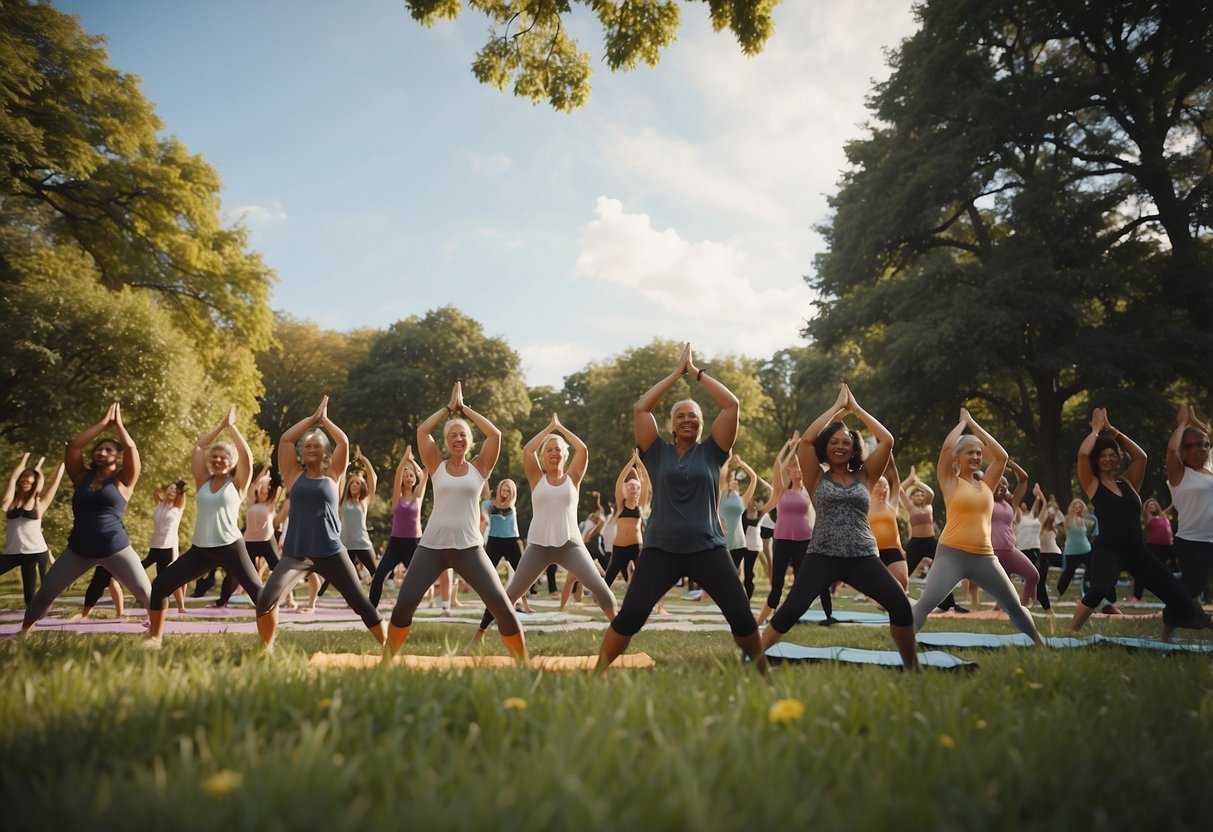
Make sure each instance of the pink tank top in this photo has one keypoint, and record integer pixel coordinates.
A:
(792, 519)
(1158, 532)
(406, 519)
(1002, 536)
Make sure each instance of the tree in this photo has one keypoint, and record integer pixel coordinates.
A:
(1026, 225)
(408, 374)
(530, 45)
(83, 167)
(304, 363)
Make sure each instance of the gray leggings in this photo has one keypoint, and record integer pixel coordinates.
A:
(337, 569)
(574, 557)
(123, 565)
(473, 565)
(951, 566)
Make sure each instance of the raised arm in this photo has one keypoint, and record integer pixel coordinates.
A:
(1021, 482)
(1135, 471)
(998, 464)
(753, 480)
(1174, 460)
(913, 481)
(11, 491)
(622, 478)
(132, 466)
(874, 466)
(727, 421)
(490, 448)
(341, 446)
(778, 484)
(198, 460)
(263, 472)
(890, 475)
(427, 448)
(73, 457)
(1088, 480)
(243, 475)
(1040, 502)
(947, 458)
(48, 496)
(372, 479)
(810, 465)
(581, 454)
(288, 458)
(644, 424)
(531, 464)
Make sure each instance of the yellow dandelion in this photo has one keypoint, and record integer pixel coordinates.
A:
(515, 703)
(222, 782)
(946, 742)
(785, 711)
(324, 703)
(982, 724)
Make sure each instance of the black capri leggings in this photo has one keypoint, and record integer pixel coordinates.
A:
(749, 557)
(232, 558)
(1195, 561)
(784, 553)
(31, 567)
(364, 556)
(658, 570)
(338, 569)
(509, 548)
(399, 552)
(1106, 564)
(867, 574)
(621, 557)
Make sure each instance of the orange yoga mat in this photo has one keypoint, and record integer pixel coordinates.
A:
(558, 664)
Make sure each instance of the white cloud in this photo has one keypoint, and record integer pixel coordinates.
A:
(702, 291)
(551, 363)
(255, 215)
(493, 163)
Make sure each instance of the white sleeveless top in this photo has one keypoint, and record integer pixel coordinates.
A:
(216, 524)
(553, 513)
(1193, 501)
(455, 519)
(1027, 532)
(24, 536)
(166, 519)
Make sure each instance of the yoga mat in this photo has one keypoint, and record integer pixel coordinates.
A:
(558, 664)
(848, 617)
(993, 641)
(884, 658)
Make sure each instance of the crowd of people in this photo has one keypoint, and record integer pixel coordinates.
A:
(686, 511)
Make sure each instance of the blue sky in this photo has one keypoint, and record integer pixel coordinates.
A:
(380, 180)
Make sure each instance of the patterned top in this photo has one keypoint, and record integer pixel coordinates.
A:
(842, 529)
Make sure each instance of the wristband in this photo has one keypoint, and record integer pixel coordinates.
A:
(699, 374)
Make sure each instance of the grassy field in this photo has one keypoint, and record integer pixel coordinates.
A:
(209, 733)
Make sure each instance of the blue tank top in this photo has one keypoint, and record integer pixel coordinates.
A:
(731, 509)
(314, 530)
(503, 522)
(97, 531)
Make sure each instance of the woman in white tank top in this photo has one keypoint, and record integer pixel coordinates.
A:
(554, 536)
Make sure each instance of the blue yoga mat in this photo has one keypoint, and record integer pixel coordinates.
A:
(853, 655)
(993, 641)
(848, 617)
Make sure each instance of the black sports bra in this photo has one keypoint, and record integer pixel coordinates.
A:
(27, 513)
(629, 512)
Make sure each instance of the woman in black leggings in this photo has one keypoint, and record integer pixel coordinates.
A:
(684, 538)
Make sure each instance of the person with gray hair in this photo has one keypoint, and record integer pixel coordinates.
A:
(222, 472)
(965, 549)
(554, 536)
(452, 538)
(684, 537)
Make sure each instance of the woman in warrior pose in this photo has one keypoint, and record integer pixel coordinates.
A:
(920, 500)
(312, 471)
(1120, 544)
(355, 501)
(843, 546)
(882, 517)
(1029, 529)
(793, 526)
(965, 549)
(1002, 533)
(684, 536)
(222, 472)
(554, 536)
(733, 504)
(452, 537)
(24, 505)
(1190, 479)
(503, 541)
(408, 490)
(632, 492)
(98, 537)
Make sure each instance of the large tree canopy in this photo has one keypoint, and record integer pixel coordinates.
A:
(83, 166)
(118, 280)
(1027, 224)
(530, 46)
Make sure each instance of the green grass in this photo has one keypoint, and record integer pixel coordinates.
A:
(95, 732)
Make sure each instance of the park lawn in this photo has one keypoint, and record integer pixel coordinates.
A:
(209, 733)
